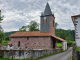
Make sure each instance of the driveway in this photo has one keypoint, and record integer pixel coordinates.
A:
(62, 56)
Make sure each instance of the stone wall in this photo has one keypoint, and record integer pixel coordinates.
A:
(23, 54)
(32, 42)
(74, 53)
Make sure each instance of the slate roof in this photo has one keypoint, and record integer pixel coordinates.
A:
(34, 33)
(47, 10)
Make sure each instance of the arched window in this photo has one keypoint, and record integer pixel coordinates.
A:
(42, 21)
(46, 20)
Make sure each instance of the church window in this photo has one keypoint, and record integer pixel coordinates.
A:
(53, 23)
(46, 21)
(44, 18)
(43, 21)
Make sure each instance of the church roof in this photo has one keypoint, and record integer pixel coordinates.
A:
(34, 33)
(47, 10)
(30, 33)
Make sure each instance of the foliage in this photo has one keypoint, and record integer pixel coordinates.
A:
(33, 26)
(65, 34)
(0, 17)
(7, 38)
(56, 24)
(78, 49)
(23, 28)
(1, 30)
(9, 33)
(69, 43)
(1, 36)
(4, 43)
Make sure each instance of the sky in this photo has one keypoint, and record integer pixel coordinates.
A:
(20, 12)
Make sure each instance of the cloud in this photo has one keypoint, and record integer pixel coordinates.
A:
(20, 12)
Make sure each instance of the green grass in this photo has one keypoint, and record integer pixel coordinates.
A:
(78, 49)
(59, 45)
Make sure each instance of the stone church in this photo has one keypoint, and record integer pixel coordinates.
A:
(45, 38)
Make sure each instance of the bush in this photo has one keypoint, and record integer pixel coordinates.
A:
(69, 43)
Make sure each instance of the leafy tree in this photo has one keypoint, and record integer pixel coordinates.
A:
(1, 36)
(0, 17)
(33, 26)
(1, 30)
(23, 28)
(63, 35)
(7, 38)
(56, 24)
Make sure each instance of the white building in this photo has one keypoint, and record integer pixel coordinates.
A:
(76, 22)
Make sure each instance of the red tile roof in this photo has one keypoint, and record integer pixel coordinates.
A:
(31, 33)
(9, 43)
(60, 39)
(34, 33)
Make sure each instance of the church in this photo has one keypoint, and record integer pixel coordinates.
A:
(45, 38)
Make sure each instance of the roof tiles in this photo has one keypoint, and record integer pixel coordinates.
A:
(34, 33)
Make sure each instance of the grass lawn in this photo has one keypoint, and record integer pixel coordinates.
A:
(59, 45)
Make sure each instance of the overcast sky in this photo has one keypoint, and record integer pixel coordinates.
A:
(20, 12)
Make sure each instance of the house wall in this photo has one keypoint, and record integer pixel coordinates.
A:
(33, 42)
(77, 30)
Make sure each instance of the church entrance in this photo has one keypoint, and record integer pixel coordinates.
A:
(18, 43)
(53, 43)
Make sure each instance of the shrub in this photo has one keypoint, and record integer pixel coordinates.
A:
(69, 43)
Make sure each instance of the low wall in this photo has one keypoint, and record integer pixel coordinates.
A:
(74, 53)
(23, 54)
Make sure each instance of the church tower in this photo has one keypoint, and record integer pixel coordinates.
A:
(47, 21)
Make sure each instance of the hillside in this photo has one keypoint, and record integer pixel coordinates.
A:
(65, 34)
(9, 33)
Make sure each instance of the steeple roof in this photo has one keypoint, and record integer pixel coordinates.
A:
(47, 10)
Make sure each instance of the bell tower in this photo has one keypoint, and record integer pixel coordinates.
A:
(47, 21)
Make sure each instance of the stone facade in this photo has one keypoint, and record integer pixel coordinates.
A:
(33, 42)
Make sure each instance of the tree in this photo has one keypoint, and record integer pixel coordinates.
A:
(33, 26)
(0, 17)
(56, 24)
(1, 36)
(23, 28)
(1, 30)
(7, 38)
